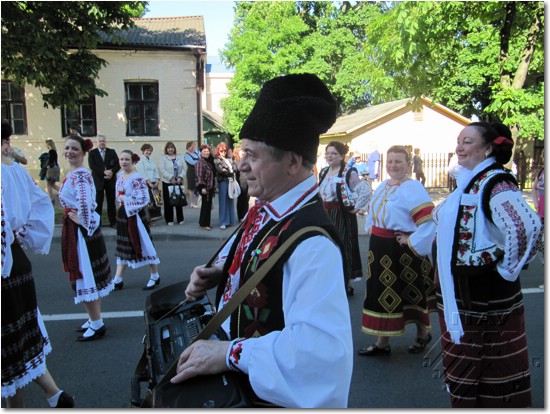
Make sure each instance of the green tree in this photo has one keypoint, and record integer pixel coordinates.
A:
(50, 44)
(483, 58)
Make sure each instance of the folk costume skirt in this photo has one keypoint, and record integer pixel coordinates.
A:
(344, 223)
(25, 341)
(490, 366)
(96, 281)
(129, 250)
(400, 288)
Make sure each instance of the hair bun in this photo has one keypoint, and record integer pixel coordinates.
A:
(135, 158)
(88, 144)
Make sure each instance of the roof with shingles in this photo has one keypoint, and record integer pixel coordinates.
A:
(163, 32)
(348, 123)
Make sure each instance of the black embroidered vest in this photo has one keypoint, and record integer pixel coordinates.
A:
(262, 311)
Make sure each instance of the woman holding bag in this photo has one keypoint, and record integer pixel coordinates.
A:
(172, 171)
(134, 246)
(225, 169)
(148, 170)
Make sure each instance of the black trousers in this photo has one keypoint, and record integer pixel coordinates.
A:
(108, 192)
(168, 208)
(206, 209)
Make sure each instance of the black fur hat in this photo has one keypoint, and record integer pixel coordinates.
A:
(290, 113)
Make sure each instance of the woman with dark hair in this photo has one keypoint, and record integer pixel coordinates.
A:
(82, 245)
(134, 246)
(52, 169)
(486, 233)
(191, 157)
(225, 171)
(400, 287)
(339, 201)
(27, 223)
(206, 185)
(172, 172)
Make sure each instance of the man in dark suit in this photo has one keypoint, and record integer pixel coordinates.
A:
(104, 164)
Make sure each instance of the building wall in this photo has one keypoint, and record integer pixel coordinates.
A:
(430, 131)
(215, 91)
(175, 73)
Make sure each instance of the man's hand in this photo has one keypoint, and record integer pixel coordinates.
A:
(108, 174)
(201, 358)
(202, 279)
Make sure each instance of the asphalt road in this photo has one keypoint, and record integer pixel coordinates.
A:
(98, 373)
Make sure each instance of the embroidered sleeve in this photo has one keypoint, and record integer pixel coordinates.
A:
(136, 196)
(83, 185)
(519, 226)
(234, 352)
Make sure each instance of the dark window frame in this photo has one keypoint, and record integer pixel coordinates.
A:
(9, 101)
(142, 108)
(87, 123)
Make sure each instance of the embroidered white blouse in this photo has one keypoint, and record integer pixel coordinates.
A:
(78, 192)
(26, 211)
(134, 189)
(309, 363)
(406, 207)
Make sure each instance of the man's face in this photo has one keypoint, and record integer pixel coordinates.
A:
(102, 143)
(267, 178)
(6, 148)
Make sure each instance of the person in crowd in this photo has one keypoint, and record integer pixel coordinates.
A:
(172, 173)
(361, 167)
(83, 248)
(147, 168)
(400, 286)
(243, 200)
(27, 223)
(295, 329)
(537, 191)
(339, 204)
(373, 166)
(104, 164)
(418, 168)
(52, 170)
(134, 246)
(351, 159)
(486, 233)
(191, 157)
(225, 171)
(206, 185)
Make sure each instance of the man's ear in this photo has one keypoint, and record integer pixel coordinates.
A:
(295, 163)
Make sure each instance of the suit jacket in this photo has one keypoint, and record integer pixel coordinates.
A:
(98, 166)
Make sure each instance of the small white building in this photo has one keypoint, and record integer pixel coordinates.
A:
(433, 128)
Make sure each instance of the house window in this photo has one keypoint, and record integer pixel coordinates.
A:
(83, 117)
(142, 108)
(13, 107)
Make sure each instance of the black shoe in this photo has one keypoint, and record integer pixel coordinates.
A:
(157, 282)
(118, 286)
(374, 350)
(98, 333)
(415, 349)
(65, 401)
(81, 329)
(113, 226)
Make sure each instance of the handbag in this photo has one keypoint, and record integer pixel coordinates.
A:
(177, 197)
(163, 394)
(52, 173)
(233, 189)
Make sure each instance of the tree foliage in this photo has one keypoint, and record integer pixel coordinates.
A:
(482, 58)
(50, 44)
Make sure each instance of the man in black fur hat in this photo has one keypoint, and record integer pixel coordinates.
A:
(292, 334)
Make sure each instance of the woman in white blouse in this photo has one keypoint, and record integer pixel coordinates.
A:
(83, 248)
(172, 172)
(149, 171)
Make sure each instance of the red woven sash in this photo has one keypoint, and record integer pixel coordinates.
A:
(69, 250)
